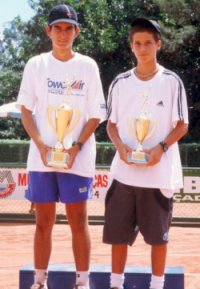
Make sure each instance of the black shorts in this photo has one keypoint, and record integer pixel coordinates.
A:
(129, 210)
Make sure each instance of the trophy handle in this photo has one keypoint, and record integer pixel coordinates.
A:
(76, 117)
(49, 113)
(153, 129)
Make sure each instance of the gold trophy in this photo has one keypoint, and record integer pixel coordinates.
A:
(141, 128)
(63, 120)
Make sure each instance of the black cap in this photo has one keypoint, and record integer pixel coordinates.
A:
(62, 13)
(146, 22)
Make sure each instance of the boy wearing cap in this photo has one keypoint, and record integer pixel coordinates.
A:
(49, 80)
(140, 196)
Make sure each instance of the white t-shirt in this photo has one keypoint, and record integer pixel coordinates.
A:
(46, 82)
(166, 105)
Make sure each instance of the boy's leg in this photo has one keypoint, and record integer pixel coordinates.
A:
(42, 191)
(77, 218)
(119, 257)
(74, 192)
(154, 215)
(120, 228)
(45, 219)
(158, 259)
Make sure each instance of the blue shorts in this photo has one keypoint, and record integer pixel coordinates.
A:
(45, 187)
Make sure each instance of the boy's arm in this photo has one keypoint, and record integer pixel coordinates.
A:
(31, 129)
(87, 131)
(122, 148)
(176, 134)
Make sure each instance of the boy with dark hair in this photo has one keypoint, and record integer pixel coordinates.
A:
(140, 196)
(61, 78)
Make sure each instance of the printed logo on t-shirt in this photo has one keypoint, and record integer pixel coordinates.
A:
(61, 87)
(160, 103)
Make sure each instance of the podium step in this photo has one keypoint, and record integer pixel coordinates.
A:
(62, 276)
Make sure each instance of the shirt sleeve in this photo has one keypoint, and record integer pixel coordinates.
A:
(112, 102)
(27, 96)
(180, 108)
(96, 100)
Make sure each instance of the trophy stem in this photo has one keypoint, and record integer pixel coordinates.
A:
(139, 147)
(59, 146)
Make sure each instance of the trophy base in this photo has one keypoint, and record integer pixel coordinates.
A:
(57, 159)
(137, 157)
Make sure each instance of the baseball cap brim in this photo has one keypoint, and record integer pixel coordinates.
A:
(64, 20)
(145, 21)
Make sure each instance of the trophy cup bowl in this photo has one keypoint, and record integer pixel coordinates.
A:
(142, 131)
(63, 120)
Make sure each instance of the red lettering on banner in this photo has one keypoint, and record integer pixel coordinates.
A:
(23, 179)
(100, 181)
(105, 180)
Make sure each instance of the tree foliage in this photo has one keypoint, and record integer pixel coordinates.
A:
(104, 36)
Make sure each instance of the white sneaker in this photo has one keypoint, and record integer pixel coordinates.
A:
(38, 286)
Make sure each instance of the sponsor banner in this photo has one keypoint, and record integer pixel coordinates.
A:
(14, 182)
(18, 178)
(191, 191)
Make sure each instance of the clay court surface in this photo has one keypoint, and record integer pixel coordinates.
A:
(16, 251)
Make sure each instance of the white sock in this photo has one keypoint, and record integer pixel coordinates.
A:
(82, 278)
(157, 282)
(40, 276)
(117, 280)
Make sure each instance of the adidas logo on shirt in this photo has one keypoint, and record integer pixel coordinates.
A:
(160, 103)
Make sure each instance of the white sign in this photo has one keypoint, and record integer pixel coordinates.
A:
(14, 182)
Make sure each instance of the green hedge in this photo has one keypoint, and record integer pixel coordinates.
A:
(190, 154)
(15, 151)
